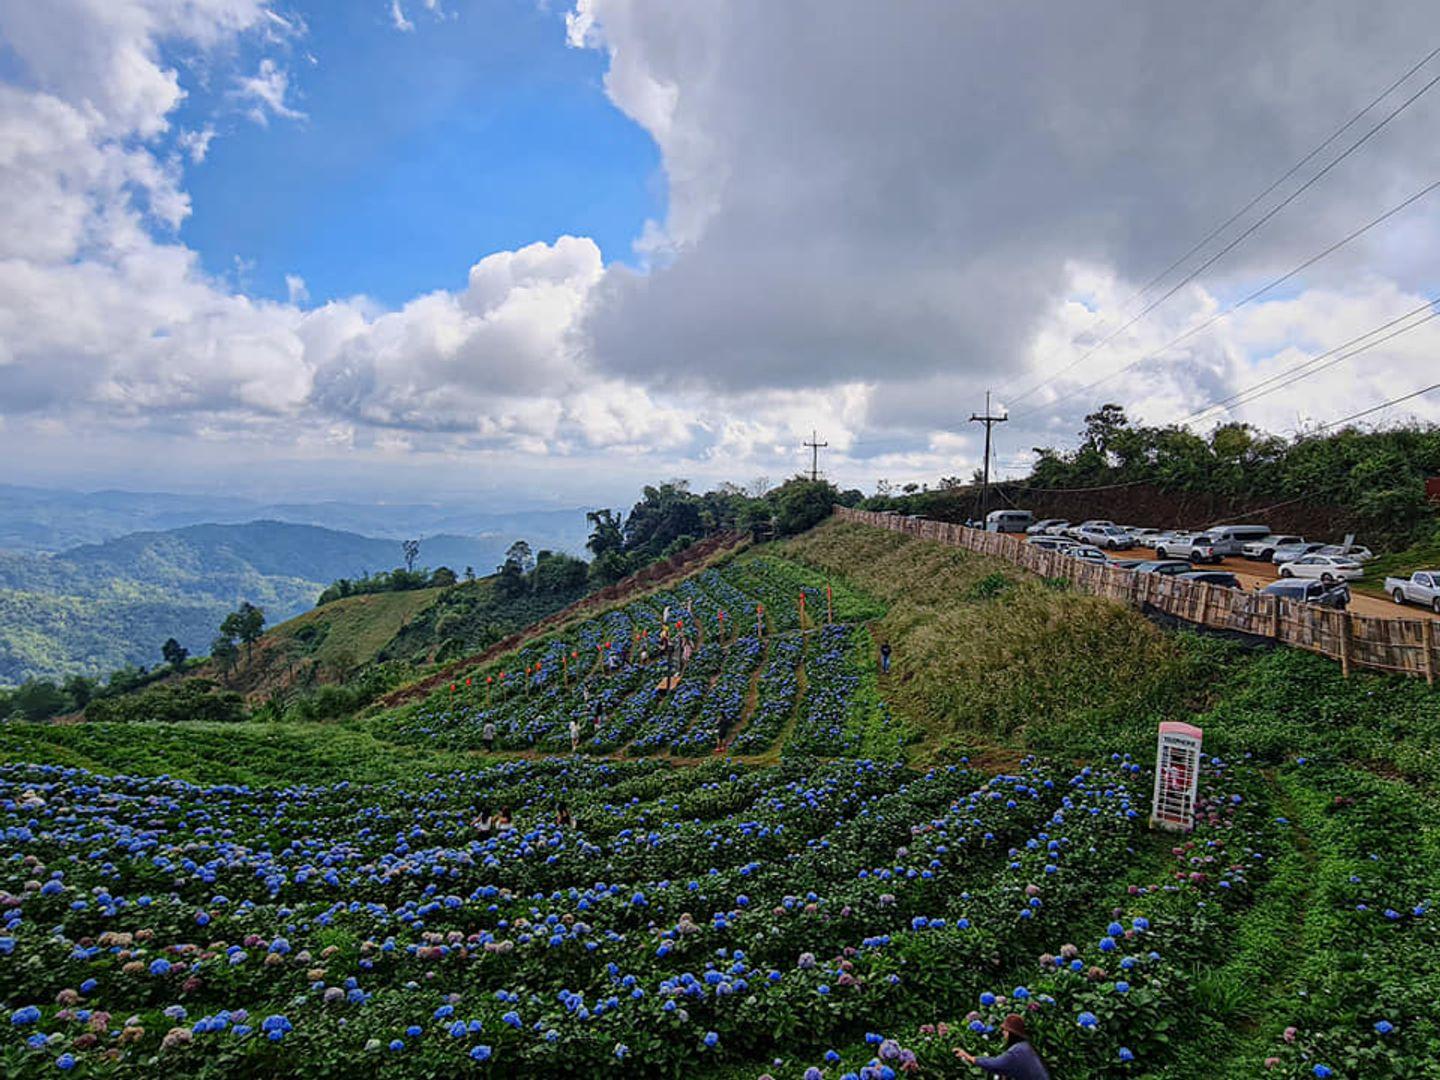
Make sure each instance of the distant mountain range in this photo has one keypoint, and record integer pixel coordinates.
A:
(95, 607)
(51, 520)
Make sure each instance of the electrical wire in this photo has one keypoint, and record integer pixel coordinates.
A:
(1377, 408)
(1311, 261)
(1264, 388)
(1259, 222)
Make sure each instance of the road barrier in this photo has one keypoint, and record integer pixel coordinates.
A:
(1404, 645)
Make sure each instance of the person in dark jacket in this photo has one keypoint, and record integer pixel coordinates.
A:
(885, 658)
(1019, 1061)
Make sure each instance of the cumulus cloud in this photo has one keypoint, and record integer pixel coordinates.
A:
(873, 214)
(901, 192)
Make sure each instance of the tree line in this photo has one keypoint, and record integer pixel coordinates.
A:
(1377, 476)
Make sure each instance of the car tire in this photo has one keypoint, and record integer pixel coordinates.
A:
(1286, 573)
(1435, 605)
(1398, 596)
(1159, 553)
(1268, 555)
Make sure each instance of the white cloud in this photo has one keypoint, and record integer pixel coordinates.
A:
(196, 144)
(871, 218)
(398, 19)
(267, 89)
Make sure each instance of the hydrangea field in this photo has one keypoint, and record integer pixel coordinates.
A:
(757, 679)
(798, 905)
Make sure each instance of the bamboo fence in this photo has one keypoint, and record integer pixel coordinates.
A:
(1408, 646)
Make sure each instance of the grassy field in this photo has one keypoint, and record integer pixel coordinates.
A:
(986, 655)
(262, 754)
(330, 641)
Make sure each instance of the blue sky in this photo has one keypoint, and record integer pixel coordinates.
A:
(419, 152)
(854, 225)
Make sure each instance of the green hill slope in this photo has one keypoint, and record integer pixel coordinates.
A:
(98, 607)
(824, 894)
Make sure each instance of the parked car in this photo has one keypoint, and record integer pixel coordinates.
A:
(1091, 523)
(1324, 567)
(1199, 548)
(1291, 552)
(1144, 537)
(1421, 587)
(1164, 567)
(1169, 534)
(1310, 592)
(1129, 564)
(1044, 523)
(1104, 536)
(1060, 528)
(1264, 548)
(1358, 552)
(1051, 543)
(1086, 553)
(1230, 539)
(1008, 521)
(1222, 578)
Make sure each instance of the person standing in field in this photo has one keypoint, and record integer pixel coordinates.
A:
(574, 734)
(487, 736)
(885, 658)
(484, 823)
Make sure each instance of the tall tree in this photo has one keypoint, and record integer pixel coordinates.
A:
(247, 623)
(606, 532)
(224, 652)
(410, 549)
(174, 653)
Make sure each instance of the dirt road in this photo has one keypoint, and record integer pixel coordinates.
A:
(1252, 574)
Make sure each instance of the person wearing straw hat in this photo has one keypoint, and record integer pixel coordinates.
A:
(1019, 1061)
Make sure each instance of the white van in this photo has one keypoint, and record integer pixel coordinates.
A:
(1230, 539)
(1008, 521)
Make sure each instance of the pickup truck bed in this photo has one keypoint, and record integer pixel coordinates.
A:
(1421, 587)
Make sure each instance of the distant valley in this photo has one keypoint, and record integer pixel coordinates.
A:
(96, 607)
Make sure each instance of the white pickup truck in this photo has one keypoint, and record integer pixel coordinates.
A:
(1421, 587)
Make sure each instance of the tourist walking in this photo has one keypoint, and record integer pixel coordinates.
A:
(574, 734)
(487, 736)
(885, 658)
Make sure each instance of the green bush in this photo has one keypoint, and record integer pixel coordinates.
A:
(190, 699)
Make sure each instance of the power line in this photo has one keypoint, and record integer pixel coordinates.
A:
(1306, 264)
(1259, 222)
(1377, 408)
(1264, 388)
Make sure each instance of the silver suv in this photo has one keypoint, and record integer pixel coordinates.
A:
(1199, 548)
(1264, 549)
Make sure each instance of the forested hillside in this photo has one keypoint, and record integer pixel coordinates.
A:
(1321, 483)
(98, 607)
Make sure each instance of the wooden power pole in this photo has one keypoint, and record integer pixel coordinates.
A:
(989, 422)
(815, 448)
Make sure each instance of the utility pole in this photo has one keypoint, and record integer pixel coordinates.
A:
(815, 448)
(989, 422)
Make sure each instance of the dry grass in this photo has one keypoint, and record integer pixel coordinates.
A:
(1001, 669)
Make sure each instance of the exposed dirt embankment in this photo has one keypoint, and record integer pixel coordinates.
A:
(654, 576)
